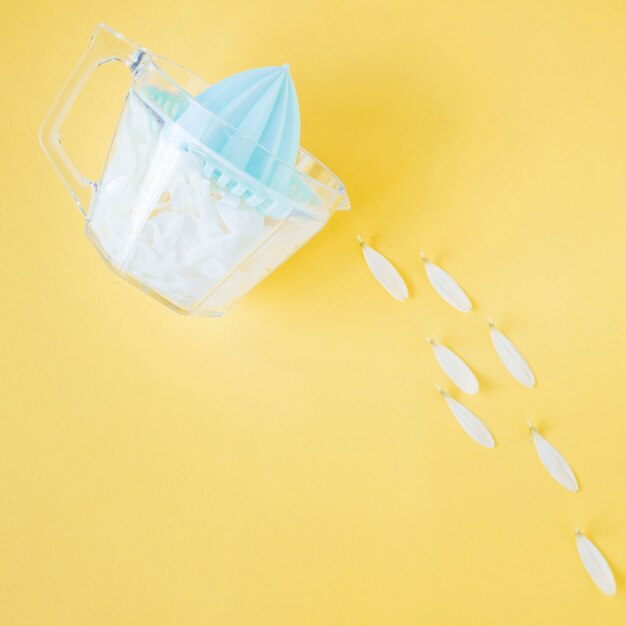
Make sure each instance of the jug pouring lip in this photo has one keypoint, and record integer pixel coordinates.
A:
(333, 186)
(340, 190)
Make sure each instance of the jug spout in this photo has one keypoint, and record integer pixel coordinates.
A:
(344, 203)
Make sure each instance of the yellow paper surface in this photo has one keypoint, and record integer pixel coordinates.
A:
(291, 464)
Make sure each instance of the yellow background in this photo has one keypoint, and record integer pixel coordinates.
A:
(291, 464)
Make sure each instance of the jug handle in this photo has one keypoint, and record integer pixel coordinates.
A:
(106, 45)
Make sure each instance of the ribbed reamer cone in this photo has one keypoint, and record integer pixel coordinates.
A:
(263, 106)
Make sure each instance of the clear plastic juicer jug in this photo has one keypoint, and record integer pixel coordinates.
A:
(171, 214)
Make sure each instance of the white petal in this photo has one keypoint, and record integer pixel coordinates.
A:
(247, 222)
(384, 272)
(554, 462)
(166, 231)
(596, 565)
(446, 286)
(471, 424)
(457, 370)
(511, 357)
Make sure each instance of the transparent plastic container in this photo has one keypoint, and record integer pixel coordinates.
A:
(171, 215)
